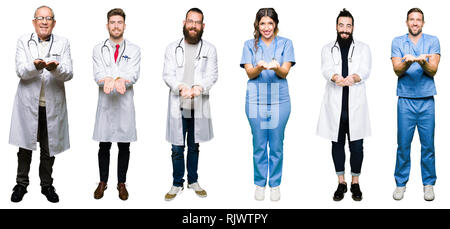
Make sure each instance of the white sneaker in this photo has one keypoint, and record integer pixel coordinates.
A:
(428, 192)
(275, 194)
(398, 193)
(174, 191)
(198, 190)
(260, 193)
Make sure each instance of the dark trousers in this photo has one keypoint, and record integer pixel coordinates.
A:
(192, 153)
(338, 151)
(122, 162)
(46, 162)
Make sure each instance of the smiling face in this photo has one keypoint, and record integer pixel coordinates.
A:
(344, 27)
(116, 27)
(415, 23)
(44, 22)
(267, 27)
(193, 27)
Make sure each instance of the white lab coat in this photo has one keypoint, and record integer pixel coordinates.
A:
(115, 119)
(24, 121)
(359, 124)
(206, 73)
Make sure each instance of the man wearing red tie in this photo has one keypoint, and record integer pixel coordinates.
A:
(116, 68)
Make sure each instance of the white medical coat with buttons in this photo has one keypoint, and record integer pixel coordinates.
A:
(24, 121)
(205, 76)
(330, 113)
(115, 119)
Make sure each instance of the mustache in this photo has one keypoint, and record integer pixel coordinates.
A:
(192, 29)
(192, 39)
(346, 33)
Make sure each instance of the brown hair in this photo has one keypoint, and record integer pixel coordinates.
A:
(114, 12)
(269, 12)
(415, 10)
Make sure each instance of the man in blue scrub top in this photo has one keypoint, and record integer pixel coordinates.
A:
(415, 58)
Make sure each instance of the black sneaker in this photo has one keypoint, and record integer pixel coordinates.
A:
(356, 192)
(339, 194)
(19, 192)
(49, 192)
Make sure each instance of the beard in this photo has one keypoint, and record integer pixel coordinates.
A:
(192, 39)
(415, 34)
(345, 41)
(116, 37)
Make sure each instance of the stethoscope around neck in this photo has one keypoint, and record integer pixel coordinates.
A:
(108, 55)
(262, 49)
(339, 57)
(36, 55)
(180, 58)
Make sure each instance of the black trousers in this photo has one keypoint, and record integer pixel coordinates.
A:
(46, 162)
(338, 150)
(122, 162)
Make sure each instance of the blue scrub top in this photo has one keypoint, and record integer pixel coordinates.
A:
(415, 83)
(259, 90)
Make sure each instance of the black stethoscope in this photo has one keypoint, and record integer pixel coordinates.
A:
(181, 58)
(36, 45)
(105, 45)
(339, 58)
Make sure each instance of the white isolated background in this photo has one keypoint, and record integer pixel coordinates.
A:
(226, 166)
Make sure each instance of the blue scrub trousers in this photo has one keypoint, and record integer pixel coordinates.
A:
(268, 124)
(414, 112)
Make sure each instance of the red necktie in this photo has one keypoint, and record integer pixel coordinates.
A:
(116, 54)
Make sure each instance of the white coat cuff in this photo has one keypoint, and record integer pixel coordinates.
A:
(204, 91)
(31, 69)
(176, 90)
(360, 77)
(57, 72)
(330, 76)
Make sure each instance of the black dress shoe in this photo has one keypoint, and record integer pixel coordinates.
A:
(356, 192)
(341, 190)
(49, 192)
(19, 192)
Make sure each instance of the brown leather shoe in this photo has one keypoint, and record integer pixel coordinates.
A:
(98, 194)
(123, 193)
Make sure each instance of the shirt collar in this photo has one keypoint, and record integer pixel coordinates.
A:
(46, 40)
(113, 44)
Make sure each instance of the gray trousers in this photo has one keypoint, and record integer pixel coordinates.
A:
(46, 162)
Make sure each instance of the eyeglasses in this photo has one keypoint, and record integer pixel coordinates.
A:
(190, 22)
(40, 18)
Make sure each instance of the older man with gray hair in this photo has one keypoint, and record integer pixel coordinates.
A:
(43, 65)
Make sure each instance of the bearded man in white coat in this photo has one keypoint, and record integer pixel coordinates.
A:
(116, 68)
(43, 64)
(346, 65)
(190, 70)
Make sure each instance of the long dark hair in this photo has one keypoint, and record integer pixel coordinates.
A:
(269, 12)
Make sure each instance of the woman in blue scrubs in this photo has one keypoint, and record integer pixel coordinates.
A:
(267, 60)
